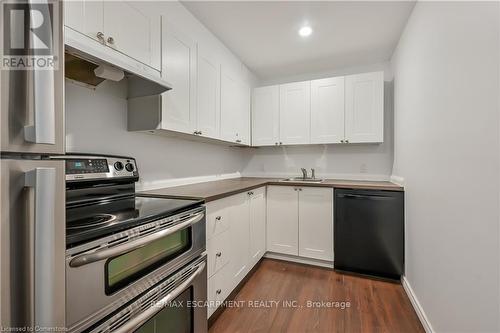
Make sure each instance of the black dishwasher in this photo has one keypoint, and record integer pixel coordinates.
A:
(369, 232)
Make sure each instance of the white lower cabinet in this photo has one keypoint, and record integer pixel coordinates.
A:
(236, 233)
(219, 252)
(282, 219)
(240, 240)
(257, 202)
(300, 221)
(219, 287)
(316, 223)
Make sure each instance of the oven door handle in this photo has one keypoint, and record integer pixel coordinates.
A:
(143, 317)
(87, 258)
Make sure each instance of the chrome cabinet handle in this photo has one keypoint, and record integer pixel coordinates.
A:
(341, 141)
(218, 291)
(87, 258)
(218, 254)
(238, 141)
(43, 181)
(100, 36)
(136, 322)
(281, 143)
(111, 40)
(346, 141)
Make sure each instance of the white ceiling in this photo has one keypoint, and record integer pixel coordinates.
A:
(264, 34)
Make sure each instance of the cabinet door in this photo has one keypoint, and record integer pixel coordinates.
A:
(265, 116)
(229, 105)
(316, 223)
(133, 32)
(282, 219)
(295, 113)
(208, 106)
(217, 252)
(327, 110)
(219, 287)
(179, 60)
(243, 133)
(85, 17)
(257, 204)
(240, 240)
(364, 107)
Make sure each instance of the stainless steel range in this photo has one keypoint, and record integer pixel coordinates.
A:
(130, 258)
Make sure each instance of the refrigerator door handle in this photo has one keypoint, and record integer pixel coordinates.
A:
(43, 90)
(43, 182)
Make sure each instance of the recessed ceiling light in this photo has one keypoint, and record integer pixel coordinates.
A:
(305, 31)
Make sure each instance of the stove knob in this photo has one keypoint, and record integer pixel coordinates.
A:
(118, 166)
(129, 167)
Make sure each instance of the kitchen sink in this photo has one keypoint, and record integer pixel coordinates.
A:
(303, 180)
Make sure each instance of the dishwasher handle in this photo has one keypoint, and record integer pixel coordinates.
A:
(365, 197)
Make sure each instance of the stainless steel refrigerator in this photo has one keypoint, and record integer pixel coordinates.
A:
(32, 202)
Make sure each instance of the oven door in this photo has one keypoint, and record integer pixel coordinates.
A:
(104, 274)
(175, 305)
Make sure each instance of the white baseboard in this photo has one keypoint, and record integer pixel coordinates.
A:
(300, 260)
(156, 184)
(416, 305)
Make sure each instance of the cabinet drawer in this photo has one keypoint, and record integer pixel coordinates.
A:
(218, 289)
(217, 217)
(218, 252)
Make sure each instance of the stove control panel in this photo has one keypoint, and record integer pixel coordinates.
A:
(81, 167)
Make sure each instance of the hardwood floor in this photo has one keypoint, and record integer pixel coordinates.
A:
(375, 306)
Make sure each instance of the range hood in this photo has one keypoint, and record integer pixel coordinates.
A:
(81, 65)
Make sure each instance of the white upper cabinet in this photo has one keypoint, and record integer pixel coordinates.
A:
(316, 223)
(346, 109)
(85, 17)
(282, 220)
(234, 108)
(265, 116)
(295, 113)
(208, 106)
(243, 124)
(179, 61)
(122, 26)
(327, 110)
(132, 32)
(364, 107)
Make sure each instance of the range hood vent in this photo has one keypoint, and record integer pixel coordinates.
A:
(80, 67)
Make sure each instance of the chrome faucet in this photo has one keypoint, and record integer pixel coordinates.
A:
(313, 174)
(304, 173)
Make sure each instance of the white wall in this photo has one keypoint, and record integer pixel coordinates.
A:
(446, 70)
(353, 161)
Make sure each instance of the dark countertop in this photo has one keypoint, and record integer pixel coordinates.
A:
(218, 189)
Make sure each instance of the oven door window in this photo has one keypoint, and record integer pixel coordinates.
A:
(126, 268)
(175, 318)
